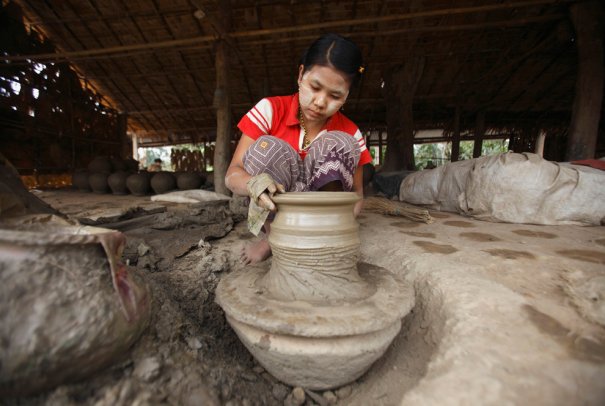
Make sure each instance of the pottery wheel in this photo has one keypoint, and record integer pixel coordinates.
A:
(244, 298)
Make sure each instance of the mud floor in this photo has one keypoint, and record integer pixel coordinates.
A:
(505, 313)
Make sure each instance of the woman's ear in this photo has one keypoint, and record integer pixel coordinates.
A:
(301, 70)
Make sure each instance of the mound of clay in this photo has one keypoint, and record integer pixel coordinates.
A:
(67, 306)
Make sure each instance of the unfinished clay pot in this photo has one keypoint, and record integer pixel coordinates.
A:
(317, 318)
(138, 184)
(189, 180)
(100, 164)
(98, 182)
(163, 182)
(69, 307)
(79, 180)
(117, 183)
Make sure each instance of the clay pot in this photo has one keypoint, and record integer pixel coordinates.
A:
(98, 182)
(131, 164)
(100, 164)
(75, 309)
(189, 180)
(117, 182)
(163, 182)
(326, 318)
(311, 229)
(79, 180)
(138, 184)
(117, 164)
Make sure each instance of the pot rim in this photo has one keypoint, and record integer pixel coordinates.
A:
(316, 198)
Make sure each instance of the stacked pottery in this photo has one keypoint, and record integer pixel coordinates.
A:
(80, 181)
(100, 164)
(98, 182)
(99, 169)
(316, 318)
(189, 180)
(117, 182)
(163, 182)
(138, 183)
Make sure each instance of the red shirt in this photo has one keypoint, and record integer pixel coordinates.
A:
(278, 116)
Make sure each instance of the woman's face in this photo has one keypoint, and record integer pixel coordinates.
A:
(322, 92)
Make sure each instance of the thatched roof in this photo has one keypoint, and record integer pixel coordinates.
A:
(154, 59)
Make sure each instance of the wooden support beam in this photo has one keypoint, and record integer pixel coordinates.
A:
(587, 18)
(400, 85)
(222, 102)
(479, 133)
(456, 136)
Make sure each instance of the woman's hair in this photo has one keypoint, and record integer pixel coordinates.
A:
(337, 52)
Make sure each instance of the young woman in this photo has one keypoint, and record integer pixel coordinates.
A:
(302, 142)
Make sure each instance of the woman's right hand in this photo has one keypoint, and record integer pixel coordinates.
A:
(261, 188)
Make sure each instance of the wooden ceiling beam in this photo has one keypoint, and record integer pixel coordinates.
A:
(75, 37)
(318, 26)
(117, 39)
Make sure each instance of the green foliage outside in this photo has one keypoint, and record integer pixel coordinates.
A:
(440, 153)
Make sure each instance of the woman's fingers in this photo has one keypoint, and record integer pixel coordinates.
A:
(265, 201)
(281, 188)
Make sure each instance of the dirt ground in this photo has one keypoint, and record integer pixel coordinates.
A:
(505, 313)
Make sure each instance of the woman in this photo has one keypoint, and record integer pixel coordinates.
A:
(301, 142)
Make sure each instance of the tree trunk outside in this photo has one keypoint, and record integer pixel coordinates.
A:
(587, 19)
(456, 136)
(479, 134)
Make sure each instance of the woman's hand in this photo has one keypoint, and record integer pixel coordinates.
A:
(262, 188)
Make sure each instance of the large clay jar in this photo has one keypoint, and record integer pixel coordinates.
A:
(69, 307)
(317, 318)
(100, 164)
(117, 164)
(163, 182)
(79, 180)
(132, 165)
(309, 233)
(189, 180)
(98, 182)
(138, 184)
(117, 182)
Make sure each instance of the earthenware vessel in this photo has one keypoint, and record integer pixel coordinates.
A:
(79, 180)
(189, 180)
(100, 164)
(138, 183)
(315, 317)
(98, 182)
(117, 182)
(72, 308)
(163, 182)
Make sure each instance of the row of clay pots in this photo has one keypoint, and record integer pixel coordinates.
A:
(138, 183)
(103, 164)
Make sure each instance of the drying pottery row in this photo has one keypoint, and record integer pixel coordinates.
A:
(138, 184)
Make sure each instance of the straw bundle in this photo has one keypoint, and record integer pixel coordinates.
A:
(394, 208)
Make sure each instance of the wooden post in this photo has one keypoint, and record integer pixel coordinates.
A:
(400, 83)
(222, 103)
(539, 148)
(456, 136)
(587, 18)
(122, 127)
(135, 146)
(479, 133)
